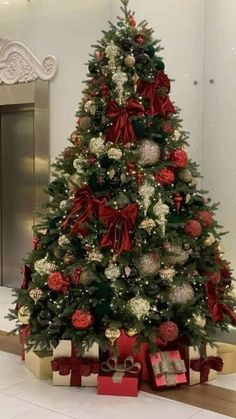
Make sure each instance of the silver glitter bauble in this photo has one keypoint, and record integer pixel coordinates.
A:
(63, 240)
(112, 272)
(167, 273)
(43, 266)
(139, 306)
(97, 146)
(95, 256)
(175, 255)
(148, 225)
(199, 321)
(181, 294)
(149, 264)
(209, 240)
(65, 205)
(114, 153)
(149, 153)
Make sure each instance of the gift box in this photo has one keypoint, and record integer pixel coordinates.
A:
(116, 379)
(66, 348)
(167, 369)
(39, 364)
(201, 369)
(75, 371)
(227, 353)
(24, 332)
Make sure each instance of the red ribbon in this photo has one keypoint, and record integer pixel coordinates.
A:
(77, 367)
(216, 308)
(122, 127)
(119, 223)
(87, 206)
(24, 333)
(205, 365)
(160, 103)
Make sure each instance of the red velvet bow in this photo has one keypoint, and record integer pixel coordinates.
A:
(160, 103)
(119, 223)
(122, 127)
(204, 365)
(216, 308)
(78, 367)
(85, 204)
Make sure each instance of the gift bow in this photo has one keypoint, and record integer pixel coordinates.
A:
(78, 367)
(119, 223)
(216, 308)
(169, 368)
(160, 104)
(121, 126)
(86, 204)
(119, 370)
(203, 365)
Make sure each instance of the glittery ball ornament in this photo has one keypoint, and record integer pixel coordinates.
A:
(112, 334)
(193, 228)
(139, 306)
(175, 255)
(97, 146)
(81, 319)
(209, 240)
(95, 256)
(149, 153)
(131, 332)
(23, 315)
(65, 205)
(165, 176)
(77, 164)
(85, 122)
(185, 175)
(90, 107)
(112, 50)
(168, 331)
(129, 60)
(167, 273)
(149, 264)
(204, 217)
(179, 157)
(43, 266)
(63, 240)
(86, 277)
(148, 225)
(112, 272)
(199, 321)
(69, 258)
(181, 294)
(36, 294)
(114, 153)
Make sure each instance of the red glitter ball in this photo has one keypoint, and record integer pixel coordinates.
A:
(139, 39)
(179, 157)
(168, 331)
(58, 282)
(167, 127)
(204, 217)
(82, 319)
(193, 228)
(165, 176)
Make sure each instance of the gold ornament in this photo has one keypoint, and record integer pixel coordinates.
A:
(114, 153)
(177, 135)
(86, 277)
(167, 273)
(149, 264)
(148, 224)
(185, 175)
(43, 266)
(129, 60)
(112, 272)
(95, 256)
(36, 294)
(209, 240)
(175, 255)
(131, 332)
(181, 294)
(65, 205)
(24, 315)
(139, 306)
(200, 321)
(112, 334)
(97, 146)
(69, 258)
(85, 122)
(63, 240)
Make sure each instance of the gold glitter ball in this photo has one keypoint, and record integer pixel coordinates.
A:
(112, 334)
(24, 315)
(148, 224)
(36, 294)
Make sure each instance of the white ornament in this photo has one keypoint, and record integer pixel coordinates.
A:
(114, 153)
(139, 306)
(148, 224)
(63, 240)
(149, 264)
(146, 191)
(177, 135)
(90, 107)
(77, 164)
(181, 294)
(112, 51)
(65, 205)
(160, 210)
(209, 240)
(199, 321)
(95, 256)
(119, 78)
(149, 153)
(97, 146)
(112, 272)
(43, 266)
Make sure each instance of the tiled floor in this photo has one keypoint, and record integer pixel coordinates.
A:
(226, 381)
(24, 397)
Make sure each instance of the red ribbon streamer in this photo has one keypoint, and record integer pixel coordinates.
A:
(119, 223)
(78, 367)
(122, 127)
(216, 308)
(87, 206)
(205, 365)
(160, 103)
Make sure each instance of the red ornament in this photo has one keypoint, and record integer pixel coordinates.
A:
(104, 88)
(36, 243)
(204, 217)
(132, 21)
(165, 176)
(179, 157)
(82, 319)
(168, 331)
(167, 127)
(76, 276)
(58, 282)
(193, 228)
(130, 168)
(178, 200)
(75, 139)
(139, 178)
(213, 277)
(91, 160)
(67, 153)
(100, 55)
(139, 39)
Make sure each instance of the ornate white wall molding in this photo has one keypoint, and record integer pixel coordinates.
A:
(19, 65)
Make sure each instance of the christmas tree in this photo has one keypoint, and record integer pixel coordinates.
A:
(127, 241)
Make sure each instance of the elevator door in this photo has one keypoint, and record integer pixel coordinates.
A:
(17, 190)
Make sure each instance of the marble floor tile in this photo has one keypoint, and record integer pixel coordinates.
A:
(41, 413)
(226, 381)
(10, 407)
(205, 414)
(13, 370)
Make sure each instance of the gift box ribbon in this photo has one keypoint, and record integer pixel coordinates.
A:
(204, 365)
(119, 370)
(169, 368)
(77, 367)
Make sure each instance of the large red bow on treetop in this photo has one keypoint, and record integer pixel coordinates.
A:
(204, 365)
(119, 223)
(122, 127)
(87, 206)
(216, 308)
(160, 103)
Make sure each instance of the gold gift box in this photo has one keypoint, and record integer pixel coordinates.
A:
(227, 353)
(38, 364)
(189, 354)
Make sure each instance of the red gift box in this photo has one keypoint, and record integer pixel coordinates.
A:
(168, 369)
(76, 368)
(24, 332)
(119, 379)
